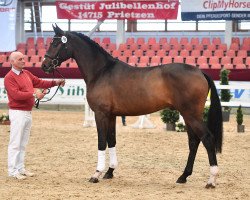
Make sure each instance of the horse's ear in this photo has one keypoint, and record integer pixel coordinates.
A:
(57, 30)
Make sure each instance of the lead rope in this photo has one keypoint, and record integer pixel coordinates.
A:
(37, 102)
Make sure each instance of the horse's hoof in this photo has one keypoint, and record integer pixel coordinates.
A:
(210, 185)
(93, 180)
(181, 180)
(108, 176)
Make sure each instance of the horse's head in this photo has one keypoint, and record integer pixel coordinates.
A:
(59, 51)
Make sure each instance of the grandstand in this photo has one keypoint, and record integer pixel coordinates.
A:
(227, 46)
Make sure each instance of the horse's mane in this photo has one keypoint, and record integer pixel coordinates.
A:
(92, 43)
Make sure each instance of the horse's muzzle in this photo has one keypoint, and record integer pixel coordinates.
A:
(47, 69)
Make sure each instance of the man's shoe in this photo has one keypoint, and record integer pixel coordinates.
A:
(19, 176)
(27, 173)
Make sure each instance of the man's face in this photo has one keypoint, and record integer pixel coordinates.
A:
(18, 61)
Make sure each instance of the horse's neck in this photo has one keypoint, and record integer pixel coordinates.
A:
(90, 63)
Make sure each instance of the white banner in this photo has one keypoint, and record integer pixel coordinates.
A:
(8, 25)
(215, 10)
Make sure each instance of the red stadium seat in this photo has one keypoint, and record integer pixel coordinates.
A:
(155, 61)
(140, 41)
(202, 62)
(238, 63)
(106, 40)
(178, 59)
(196, 53)
(190, 60)
(97, 40)
(116, 53)
(183, 41)
(230, 53)
(166, 47)
(155, 47)
(184, 53)
(235, 40)
(127, 53)
(41, 52)
(143, 61)
(211, 47)
(198, 47)
(163, 41)
(161, 53)
(138, 53)
(177, 47)
(151, 40)
(219, 53)
(35, 58)
(38, 64)
(173, 41)
(242, 53)
(248, 62)
(144, 47)
(166, 60)
(205, 41)
(130, 40)
(73, 65)
(29, 64)
(123, 59)
(195, 41)
(216, 41)
(6, 64)
(123, 47)
(150, 53)
(173, 53)
(234, 46)
(223, 47)
(188, 47)
(3, 58)
(133, 47)
(207, 53)
(226, 60)
(133, 60)
(111, 47)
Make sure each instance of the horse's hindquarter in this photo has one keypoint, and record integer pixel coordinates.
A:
(137, 91)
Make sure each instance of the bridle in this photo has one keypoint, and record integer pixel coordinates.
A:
(55, 62)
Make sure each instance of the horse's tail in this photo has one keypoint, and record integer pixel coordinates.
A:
(214, 122)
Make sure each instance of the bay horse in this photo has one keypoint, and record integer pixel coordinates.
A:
(115, 88)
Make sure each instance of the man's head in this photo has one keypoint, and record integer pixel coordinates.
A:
(17, 60)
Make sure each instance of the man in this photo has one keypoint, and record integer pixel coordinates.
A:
(19, 84)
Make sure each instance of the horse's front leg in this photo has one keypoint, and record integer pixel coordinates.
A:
(111, 139)
(103, 122)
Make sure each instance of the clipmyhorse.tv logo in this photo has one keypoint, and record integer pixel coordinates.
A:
(5, 2)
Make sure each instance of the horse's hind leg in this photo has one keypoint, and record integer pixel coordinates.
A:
(208, 141)
(193, 142)
(111, 139)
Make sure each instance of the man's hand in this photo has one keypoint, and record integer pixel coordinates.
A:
(39, 94)
(60, 82)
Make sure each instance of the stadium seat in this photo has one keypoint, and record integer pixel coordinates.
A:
(173, 53)
(41, 52)
(163, 41)
(230, 53)
(184, 53)
(123, 59)
(155, 47)
(6, 64)
(246, 40)
(140, 41)
(177, 47)
(228, 66)
(38, 64)
(219, 53)
(151, 40)
(133, 60)
(190, 60)
(144, 47)
(202, 62)
(211, 47)
(238, 63)
(216, 41)
(133, 47)
(31, 52)
(198, 47)
(194, 41)
(138, 53)
(130, 40)
(106, 40)
(188, 47)
(205, 41)
(143, 61)
(35, 58)
(242, 53)
(245, 47)
(64, 64)
(111, 47)
(166, 60)
(155, 61)
(127, 53)
(21, 46)
(214, 62)
(223, 47)
(116, 53)
(123, 47)
(166, 47)
(226, 60)
(196, 53)
(183, 41)
(161, 53)
(234, 46)
(150, 53)
(235, 40)
(178, 59)
(29, 64)
(3, 58)
(173, 41)
(207, 53)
